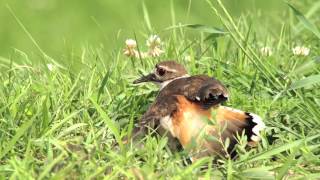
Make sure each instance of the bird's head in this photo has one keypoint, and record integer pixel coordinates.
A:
(164, 72)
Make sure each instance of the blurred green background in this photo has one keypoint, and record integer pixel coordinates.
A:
(61, 26)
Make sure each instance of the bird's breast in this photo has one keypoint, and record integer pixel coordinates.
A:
(187, 121)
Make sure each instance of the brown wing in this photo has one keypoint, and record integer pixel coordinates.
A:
(201, 89)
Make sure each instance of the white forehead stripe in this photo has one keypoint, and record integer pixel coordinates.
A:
(167, 68)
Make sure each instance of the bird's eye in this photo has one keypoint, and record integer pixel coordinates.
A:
(161, 71)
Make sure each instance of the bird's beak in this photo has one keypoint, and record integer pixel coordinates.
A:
(147, 78)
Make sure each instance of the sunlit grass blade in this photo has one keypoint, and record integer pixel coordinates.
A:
(48, 168)
(306, 82)
(307, 24)
(61, 123)
(173, 19)
(265, 173)
(146, 17)
(291, 161)
(239, 39)
(70, 129)
(113, 126)
(103, 83)
(196, 164)
(19, 132)
(201, 28)
(306, 67)
(229, 170)
(6, 62)
(276, 150)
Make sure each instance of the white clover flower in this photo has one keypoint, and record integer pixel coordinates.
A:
(154, 44)
(300, 51)
(266, 51)
(130, 49)
(153, 41)
(130, 43)
(155, 52)
(51, 67)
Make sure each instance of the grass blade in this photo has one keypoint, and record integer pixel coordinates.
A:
(286, 166)
(306, 82)
(103, 83)
(20, 132)
(277, 150)
(306, 67)
(208, 29)
(32, 39)
(201, 28)
(229, 170)
(48, 168)
(113, 126)
(307, 24)
(70, 129)
(56, 126)
(196, 164)
(146, 16)
(258, 173)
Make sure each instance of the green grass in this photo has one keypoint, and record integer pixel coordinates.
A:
(68, 122)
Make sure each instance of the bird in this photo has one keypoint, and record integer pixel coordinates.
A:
(190, 109)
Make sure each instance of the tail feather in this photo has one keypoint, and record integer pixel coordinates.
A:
(259, 126)
(238, 120)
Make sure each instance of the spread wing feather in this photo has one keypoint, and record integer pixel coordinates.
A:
(202, 89)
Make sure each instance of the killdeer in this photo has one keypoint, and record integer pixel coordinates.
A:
(189, 107)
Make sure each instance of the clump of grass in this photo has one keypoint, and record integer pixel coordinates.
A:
(60, 122)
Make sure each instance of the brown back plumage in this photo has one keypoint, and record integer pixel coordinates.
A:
(192, 88)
